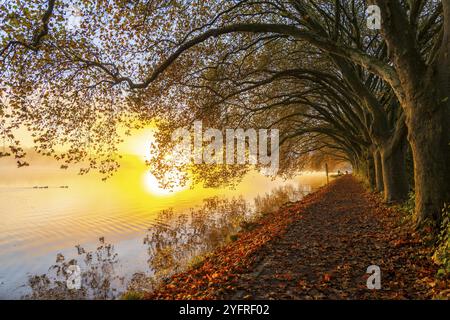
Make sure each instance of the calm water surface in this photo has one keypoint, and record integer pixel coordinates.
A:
(44, 212)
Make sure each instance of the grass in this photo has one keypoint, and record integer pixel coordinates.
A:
(132, 295)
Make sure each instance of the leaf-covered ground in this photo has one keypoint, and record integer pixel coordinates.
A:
(318, 248)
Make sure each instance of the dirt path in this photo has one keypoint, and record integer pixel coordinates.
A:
(321, 252)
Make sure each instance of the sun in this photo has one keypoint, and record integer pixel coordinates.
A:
(151, 185)
(140, 144)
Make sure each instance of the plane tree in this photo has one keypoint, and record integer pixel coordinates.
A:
(123, 47)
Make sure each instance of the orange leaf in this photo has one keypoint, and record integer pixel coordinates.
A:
(326, 277)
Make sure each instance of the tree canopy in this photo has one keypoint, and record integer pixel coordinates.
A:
(74, 72)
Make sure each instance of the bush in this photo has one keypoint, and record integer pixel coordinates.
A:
(442, 254)
(132, 295)
(409, 205)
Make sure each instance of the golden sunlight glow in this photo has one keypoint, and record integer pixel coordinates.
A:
(151, 185)
(139, 143)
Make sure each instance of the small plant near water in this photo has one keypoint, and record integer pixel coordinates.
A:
(197, 261)
(248, 225)
(97, 278)
(132, 295)
(406, 209)
(442, 254)
(409, 205)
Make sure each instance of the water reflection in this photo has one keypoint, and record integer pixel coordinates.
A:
(99, 279)
(171, 245)
(280, 196)
(173, 242)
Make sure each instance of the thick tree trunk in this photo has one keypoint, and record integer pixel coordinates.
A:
(430, 134)
(378, 171)
(429, 141)
(394, 174)
(370, 172)
(364, 169)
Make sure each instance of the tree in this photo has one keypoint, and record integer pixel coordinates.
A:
(413, 64)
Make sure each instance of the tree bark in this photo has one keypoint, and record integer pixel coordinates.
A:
(378, 171)
(429, 141)
(394, 174)
(429, 136)
(364, 169)
(370, 172)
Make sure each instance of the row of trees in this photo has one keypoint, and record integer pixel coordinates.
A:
(310, 68)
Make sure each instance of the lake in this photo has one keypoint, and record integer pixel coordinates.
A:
(45, 212)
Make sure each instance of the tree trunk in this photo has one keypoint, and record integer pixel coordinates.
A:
(429, 141)
(394, 174)
(430, 134)
(370, 171)
(364, 169)
(378, 171)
